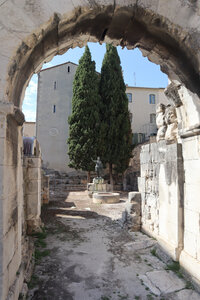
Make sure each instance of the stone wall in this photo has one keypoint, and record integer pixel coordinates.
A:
(190, 256)
(169, 186)
(11, 204)
(167, 32)
(32, 192)
(161, 187)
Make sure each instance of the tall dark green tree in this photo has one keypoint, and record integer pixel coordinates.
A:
(116, 135)
(84, 121)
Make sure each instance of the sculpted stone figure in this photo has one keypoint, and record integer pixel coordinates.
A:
(98, 167)
(172, 124)
(166, 121)
(160, 122)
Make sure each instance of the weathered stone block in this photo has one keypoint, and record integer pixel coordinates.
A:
(32, 162)
(192, 221)
(191, 194)
(33, 173)
(198, 246)
(144, 157)
(191, 148)
(33, 187)
(192, 174)
(14, 266)
(134, 197)
(141, 184)
(10, 241)
(190, 243)
(191, 265)
(9, 181)
(33, 206)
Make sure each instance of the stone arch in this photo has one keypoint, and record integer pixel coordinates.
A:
(167, 32)
(163, 42)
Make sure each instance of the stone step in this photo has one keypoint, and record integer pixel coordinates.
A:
(70, 187)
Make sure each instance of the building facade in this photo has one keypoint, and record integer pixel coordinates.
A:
(54, 106)
(142, 108)
(29, 129)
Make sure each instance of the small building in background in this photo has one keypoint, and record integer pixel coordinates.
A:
(54, 106)
(29, 129)
(142, 108)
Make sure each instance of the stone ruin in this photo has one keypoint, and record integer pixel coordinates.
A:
(166, 121)
(167, 32)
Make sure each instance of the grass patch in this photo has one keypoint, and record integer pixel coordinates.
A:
(153, 252)
(150, 297)
(33, 282)
(40, 235)
(189, 285)
(150, 265)
(40, 254)
(175, 267)
(105, 298)
(137, 298)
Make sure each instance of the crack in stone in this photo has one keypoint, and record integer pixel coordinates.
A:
(3, 2)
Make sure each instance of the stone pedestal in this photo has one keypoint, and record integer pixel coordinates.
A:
(98, 185)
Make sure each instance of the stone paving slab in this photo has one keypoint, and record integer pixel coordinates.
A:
(143, 244)
(163, 282)
(186, 295)
(91, 256)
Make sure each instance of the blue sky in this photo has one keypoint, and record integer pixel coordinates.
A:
(137, 71)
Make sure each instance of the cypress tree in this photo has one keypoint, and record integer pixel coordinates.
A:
(116, 135)
(84, 121)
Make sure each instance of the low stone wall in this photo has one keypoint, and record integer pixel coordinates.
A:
(161, 186)
(32, 192)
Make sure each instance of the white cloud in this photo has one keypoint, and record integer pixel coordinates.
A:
(30, 99)
(31, 92)
(30, 115)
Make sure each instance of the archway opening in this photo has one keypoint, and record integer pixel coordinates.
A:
(163, 42)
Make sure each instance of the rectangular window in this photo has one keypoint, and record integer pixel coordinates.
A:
(68, 69)
(129, 96)
(55, 85)
(153, 118)
(54, 109)
(152, 99)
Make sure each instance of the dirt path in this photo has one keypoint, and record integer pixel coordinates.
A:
(85, 254)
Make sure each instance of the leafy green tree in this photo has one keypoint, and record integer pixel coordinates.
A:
(116, 135)
(84, 122)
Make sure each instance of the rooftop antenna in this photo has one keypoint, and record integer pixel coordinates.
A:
(134, 76)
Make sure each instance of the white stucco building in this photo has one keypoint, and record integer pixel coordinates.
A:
(54, 105)
(142, 107)
(29, 129)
